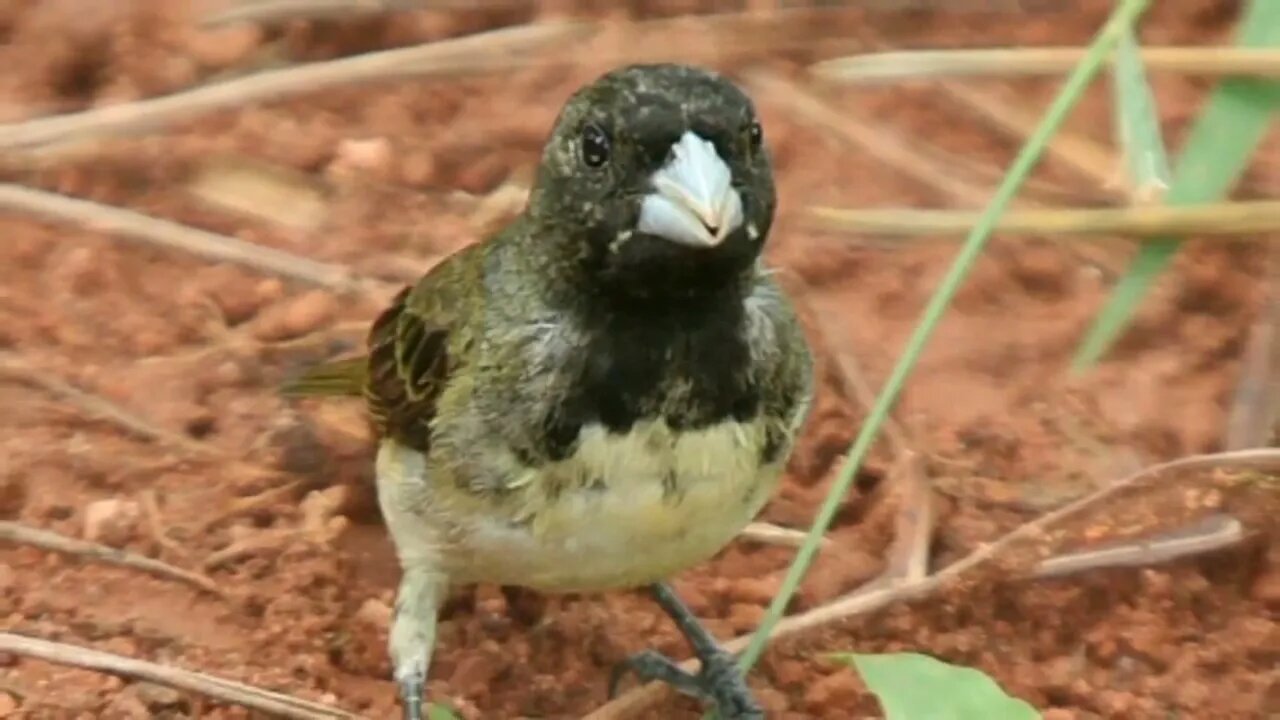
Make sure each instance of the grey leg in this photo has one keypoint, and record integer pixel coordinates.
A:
(718, 682)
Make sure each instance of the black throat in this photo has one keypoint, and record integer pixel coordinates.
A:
(682, 357)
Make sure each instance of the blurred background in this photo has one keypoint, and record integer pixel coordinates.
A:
(139, 359)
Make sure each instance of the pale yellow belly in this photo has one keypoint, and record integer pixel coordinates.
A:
(638, 508)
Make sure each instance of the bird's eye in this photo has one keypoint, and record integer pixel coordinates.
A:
(595, 146)
(755, 135)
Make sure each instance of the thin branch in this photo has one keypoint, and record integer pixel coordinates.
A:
(1255, 408)
(1216, 532)
(252, 504)
(881, 142)
(922, 165)
(53, 542)
(272, 11)
(1230, 218)
(886, 145)
(636, 701)
(1089, 158)
(770, 534)
(709, 39)
(205, 244)
(1015, 62)
(18, 369)
(155, 522)
(226, 691)
(503, 48)
(251, 545)
(1038, 191)
(96, 406)
(1265, 457)
(909, 554)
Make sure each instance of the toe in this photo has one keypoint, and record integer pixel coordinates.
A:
(649, 666)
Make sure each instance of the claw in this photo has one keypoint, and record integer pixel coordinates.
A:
(718, 682)
(649, 665)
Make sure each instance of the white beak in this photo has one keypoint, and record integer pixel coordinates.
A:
(693, 202)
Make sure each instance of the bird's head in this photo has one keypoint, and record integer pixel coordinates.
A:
(657, 180)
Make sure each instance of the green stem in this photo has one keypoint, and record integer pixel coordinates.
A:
(1122, 18)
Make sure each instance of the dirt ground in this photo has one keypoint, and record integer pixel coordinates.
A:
(408, 171)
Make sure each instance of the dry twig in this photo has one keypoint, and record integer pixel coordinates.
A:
(502, 48)
(1090, 159)
(100, 407)
(770, 534)
(96, 406)
(861, 601)
(1228, 218)
(251, 545)
(1022, 61)
(884, 144)
(1255, 407)
(227, 691)
(53, 542)
(908, 556)
(252, 503)
(271, 11)
(155, 522)
(211, 246)
(1215, 532)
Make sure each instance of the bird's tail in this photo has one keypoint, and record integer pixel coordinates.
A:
(337, 377)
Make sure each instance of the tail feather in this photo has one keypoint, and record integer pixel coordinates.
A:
(334, 378)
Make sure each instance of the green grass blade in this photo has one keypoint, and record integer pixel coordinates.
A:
(911, 686)
(1072, 89)
(1137, 122)
(1217, 151)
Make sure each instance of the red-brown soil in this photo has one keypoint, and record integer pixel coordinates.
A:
(197, 350)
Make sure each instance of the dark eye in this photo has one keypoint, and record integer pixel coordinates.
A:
(755, 135)
(595, 146)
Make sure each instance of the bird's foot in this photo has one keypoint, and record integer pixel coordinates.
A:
(717, 683)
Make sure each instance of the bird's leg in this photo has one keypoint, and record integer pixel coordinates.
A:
(413, 635)
(401, 480)
(718, 681)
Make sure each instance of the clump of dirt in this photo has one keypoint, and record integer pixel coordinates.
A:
(273, 500)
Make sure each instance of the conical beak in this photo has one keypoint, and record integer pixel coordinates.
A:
(693, 201)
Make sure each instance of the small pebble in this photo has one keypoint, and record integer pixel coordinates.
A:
(375, 613)
(363, 156)
(111, 522)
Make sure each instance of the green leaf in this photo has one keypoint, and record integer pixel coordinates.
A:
(1217, 150)
(1137, 122)
(911, 686)
(440, 712)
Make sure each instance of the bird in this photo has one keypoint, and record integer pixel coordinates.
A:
(604, 392)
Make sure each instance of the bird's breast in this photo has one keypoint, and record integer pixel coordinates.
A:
(630, 508)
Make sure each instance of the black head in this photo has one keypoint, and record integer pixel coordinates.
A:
(657, 180)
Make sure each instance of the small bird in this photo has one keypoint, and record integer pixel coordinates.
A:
(601, 394)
